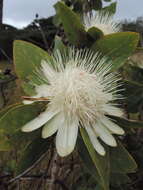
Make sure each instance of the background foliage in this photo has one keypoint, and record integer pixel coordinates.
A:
(33, 159)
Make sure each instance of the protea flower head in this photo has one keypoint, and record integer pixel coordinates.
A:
(81, 92)
(103, 21)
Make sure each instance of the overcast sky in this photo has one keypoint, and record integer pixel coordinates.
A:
(21, 12)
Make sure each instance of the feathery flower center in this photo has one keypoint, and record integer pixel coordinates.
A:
(76, 91)
(103, 21)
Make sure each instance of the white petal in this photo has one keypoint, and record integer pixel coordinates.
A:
(48, 71)
(98, 147)
(39, 121)
(43, 90)
(104, 134)
(113, 127)
(26, 102)
(66, 136)
(52, 126)
(112, 110)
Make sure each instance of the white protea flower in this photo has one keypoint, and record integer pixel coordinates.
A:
(81, 92)
(102, 20)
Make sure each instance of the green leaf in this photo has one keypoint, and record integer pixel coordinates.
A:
(33, 153)
(118, 179)
(95, 33)
(97, 5)
(98, 166)
(71, 22)
(134, 95)
(10, 138)
(5, 144)
(84, 154)
(20, 139)
(117, 47)
(132, 85)
(56, 20)
(111, 9)
(98, 187)
(27, 58)
(59, 45)
(6, 109)
(28, 88)
(126, 123)
(121, 161)
(16, 117)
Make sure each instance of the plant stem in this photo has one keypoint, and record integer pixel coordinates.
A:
(54, 170)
